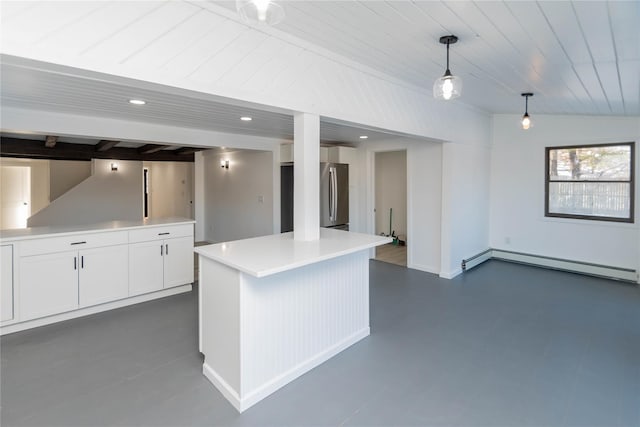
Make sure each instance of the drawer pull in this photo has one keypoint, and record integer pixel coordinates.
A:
(78, 243)
(163, 234)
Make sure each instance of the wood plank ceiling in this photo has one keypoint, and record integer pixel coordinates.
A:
(577, 57)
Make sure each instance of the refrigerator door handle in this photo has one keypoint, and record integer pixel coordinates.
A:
(334, 194)
(330, 194)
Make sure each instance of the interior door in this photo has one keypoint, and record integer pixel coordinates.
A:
(15, 193)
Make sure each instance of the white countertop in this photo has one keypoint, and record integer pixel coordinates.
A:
(39, 232)
(263, 256)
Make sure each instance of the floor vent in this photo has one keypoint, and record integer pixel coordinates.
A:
(617, 273)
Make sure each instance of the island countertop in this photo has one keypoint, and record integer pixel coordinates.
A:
(267, 255)
(58, 231)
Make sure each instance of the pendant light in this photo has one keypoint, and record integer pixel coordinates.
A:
(526, 120)
(448, 86)
(266, 12)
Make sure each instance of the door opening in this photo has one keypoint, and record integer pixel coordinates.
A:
(145, 179)
(15, 190)
(391, 205)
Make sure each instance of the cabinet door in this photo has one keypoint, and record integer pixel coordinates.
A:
(103, 275)
(6, 282)
(48, 284)
(145, 267)
(178, 261)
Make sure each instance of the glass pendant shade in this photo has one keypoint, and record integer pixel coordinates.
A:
(447, 87)
(526, 120)
(260, 11)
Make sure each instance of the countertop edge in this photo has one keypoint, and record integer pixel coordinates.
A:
(292, 265)
(100, 228)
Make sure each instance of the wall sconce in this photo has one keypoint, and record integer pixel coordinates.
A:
(114, 167)
(224, 164)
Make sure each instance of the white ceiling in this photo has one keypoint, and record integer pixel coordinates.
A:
(576, 57)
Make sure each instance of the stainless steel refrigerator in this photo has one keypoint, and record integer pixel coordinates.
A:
(334, 196)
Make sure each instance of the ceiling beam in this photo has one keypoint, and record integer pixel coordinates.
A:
(187, 150)
(29, 148)
(105, 145)
(151, 148)
(51, 141)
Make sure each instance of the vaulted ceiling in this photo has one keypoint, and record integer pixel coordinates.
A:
(576, 57)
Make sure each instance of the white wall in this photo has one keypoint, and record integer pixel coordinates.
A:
(170, 189)
(391, 192)
(424, 198)
(66, 174)
(104, 196)
(517, 191)
(239, 201)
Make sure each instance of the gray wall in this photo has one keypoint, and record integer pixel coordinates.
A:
(66, 174)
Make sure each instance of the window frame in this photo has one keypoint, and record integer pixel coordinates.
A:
(547, 180)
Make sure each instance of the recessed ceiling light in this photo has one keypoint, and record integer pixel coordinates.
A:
(363, 137)
(246, 119)
(137, 102)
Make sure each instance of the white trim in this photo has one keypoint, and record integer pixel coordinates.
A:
(21, 326)
(425, 268)
(242, 403)
(451, 274)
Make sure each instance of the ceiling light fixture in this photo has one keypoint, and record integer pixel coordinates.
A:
(137, 102)
(526, 120)
(266, 12)
(363, 137)
(448, 86)
(246, 118)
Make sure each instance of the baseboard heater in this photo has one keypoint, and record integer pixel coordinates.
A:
(609, 272)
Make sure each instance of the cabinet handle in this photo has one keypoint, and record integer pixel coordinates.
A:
(78, 243)
(82, 261)
(163, 234)
(75, 263)
(161, 250)
(166, 249)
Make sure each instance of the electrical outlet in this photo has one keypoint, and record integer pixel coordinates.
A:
(260, 199)
(507, 240)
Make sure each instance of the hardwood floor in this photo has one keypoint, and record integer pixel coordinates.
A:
(394, 254)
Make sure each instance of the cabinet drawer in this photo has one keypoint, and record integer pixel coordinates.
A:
(70, 243)
(147, 234)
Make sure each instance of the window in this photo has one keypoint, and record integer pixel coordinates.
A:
(590, 182)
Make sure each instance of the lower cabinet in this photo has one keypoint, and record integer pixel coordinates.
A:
(59, 282)
(48, 284)
(6, 282)
(160, 264)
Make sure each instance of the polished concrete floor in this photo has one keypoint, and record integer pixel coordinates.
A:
(502, 345)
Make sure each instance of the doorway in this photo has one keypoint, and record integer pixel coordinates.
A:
(391, 205)
(15, 190)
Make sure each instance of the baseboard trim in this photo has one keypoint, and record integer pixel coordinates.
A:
(242, 403)
(425, 268)
(573, 266)
(21, 326)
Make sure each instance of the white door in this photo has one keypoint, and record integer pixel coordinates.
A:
(178, 261)
(146, 267)
(15, 191)
(103, 275)
(6, 282)
(48, 284)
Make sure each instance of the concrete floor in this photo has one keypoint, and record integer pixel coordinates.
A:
(502, 345)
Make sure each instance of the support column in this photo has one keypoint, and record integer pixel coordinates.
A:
(306, 176)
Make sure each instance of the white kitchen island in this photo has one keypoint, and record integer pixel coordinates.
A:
(272, 308)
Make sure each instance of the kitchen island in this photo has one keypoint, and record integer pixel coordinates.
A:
(272, 308)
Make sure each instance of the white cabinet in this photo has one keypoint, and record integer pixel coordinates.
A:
(60, 274)
(160, 263)
(102, 275)
(146, 264)
(6, 282)
(48, 284)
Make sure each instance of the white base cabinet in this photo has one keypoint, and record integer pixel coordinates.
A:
(162, 262)
(6, 283)
(59, 276)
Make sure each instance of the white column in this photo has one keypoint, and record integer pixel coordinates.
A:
(306, 176)
(198, 197)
